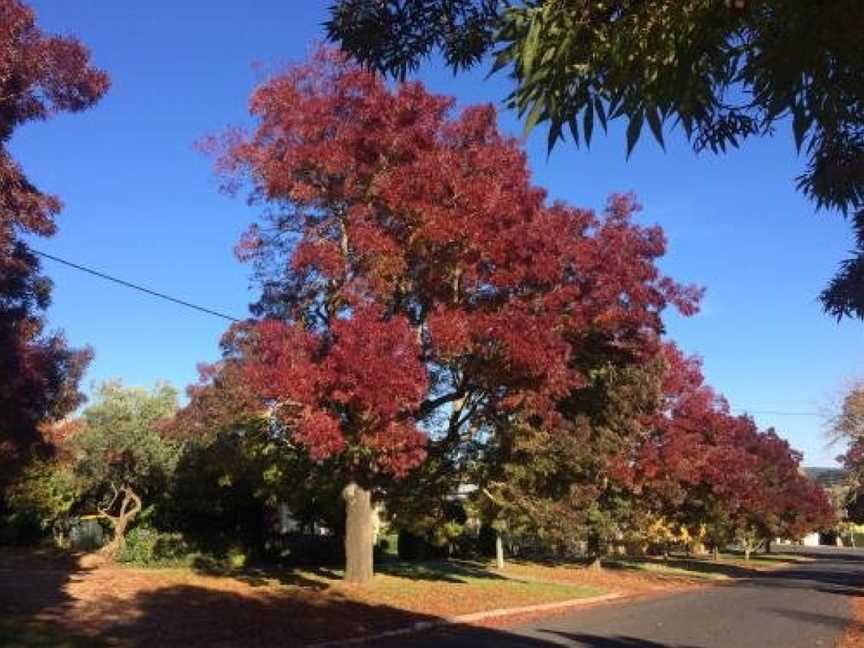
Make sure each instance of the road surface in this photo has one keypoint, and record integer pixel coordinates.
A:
(805, 606)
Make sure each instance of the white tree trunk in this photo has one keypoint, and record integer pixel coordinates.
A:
(499, 551)
(358, 534)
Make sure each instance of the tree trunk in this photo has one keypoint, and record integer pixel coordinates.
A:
(747, 552)
(130, 506)
(358, 534)
(715, 553)
(595, 551)
(768, 546)
(499, 551)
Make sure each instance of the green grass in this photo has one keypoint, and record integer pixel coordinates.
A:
(31, 634)
(674, 567)
(729, 565)
(440, 588)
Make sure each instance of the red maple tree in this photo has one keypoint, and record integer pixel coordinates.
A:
(417, 288)
(704, 467)
(40, 75)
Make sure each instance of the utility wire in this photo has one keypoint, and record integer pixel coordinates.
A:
(209, 311)
(778, 413)
(128, 284)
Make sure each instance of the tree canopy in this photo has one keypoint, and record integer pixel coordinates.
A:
(40, 75)
(415, 283)
(121, 455)
(724, 70)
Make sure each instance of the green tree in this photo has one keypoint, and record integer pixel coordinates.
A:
(725, 70)
(42, 498)
(236, 468)
(121, 456)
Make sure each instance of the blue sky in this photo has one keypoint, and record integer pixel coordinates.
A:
(143, 204)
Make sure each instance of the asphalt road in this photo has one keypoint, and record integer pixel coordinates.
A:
(808, 606)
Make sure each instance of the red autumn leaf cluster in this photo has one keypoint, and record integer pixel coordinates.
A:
(355, 388)
(481, 293)
(701, 456)
(40, 74)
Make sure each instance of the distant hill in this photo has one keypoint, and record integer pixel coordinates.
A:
(826, 477)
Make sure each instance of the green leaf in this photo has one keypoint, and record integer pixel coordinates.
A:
(801, 121)
(502, 59)
(534, 117)
(634, 129)
(588, 123)
(529, 47)
(656, 124)
(601, 112)
(553, 137)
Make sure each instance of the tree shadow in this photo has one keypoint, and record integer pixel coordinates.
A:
(449, 571)
(780, 557)
(618, 641)
(186, 615)
(837, 622)
(685, 564)
(34, 598)
(34, 580)
(820, 579)
(321, 577)
(191, 616)
(474, 637)
(829, 553)
(264, 575)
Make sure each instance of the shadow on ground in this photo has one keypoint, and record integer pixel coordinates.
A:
(492, 638)
(38, 608)
(33, 595)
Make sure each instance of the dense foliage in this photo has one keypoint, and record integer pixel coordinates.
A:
(428, 320)
(724, 70)
(848, 426)
(40, 75)
(437, 345)
(121, 457)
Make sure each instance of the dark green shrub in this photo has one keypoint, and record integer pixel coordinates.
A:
(486, 541)
(307, 549)
(21, 528)
(414, 547)
(146, 546)
(410, 546)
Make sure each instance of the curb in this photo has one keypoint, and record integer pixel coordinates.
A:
(474, 617)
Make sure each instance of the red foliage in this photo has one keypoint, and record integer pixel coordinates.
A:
(701, 456)
(384, 197)
(352, 390)
(39, 75)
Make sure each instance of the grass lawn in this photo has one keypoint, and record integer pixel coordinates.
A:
(635, 575)
(438, 588)
(45, 601)
(57, 600)
(450, 588)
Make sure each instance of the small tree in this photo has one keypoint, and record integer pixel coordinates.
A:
(120, 457)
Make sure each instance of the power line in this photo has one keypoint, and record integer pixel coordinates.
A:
(778, 412)
(154, 293)
(230, 318)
